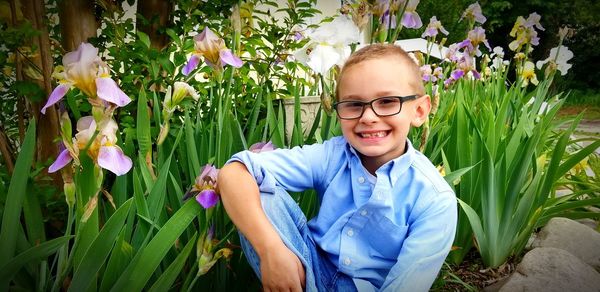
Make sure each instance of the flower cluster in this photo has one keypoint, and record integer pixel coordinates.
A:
(328, 45)
(98, 139)
(208, 45)
(433, 28)
(204, 250)
(474, 14)
(205, 187)
(463, 55)
(97, 134)
(173, 99)
(524, 32)
(85, 70)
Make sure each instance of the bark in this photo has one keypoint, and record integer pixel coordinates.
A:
(77, 22)
(48, 129)
(157, 13)
(6, 151)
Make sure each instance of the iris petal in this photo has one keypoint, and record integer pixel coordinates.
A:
(113, 159)
(63, 159)
(207, 198)
(322, 58)
(108, 90)
(191, 65)
(228, 57)
(57, 94)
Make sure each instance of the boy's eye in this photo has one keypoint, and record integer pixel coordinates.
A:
(353, 104)
(387, 101)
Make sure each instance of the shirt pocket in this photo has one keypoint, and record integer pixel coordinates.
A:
(384, 237)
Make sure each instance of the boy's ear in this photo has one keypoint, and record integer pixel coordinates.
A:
(421, 110)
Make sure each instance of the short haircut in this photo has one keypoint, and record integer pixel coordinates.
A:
(375, 51)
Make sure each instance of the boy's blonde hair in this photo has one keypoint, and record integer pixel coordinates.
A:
(376, 51)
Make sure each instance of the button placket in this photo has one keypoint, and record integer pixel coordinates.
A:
(350, 232)
(347, 261)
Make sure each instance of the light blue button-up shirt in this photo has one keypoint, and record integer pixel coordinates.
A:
(393, 230)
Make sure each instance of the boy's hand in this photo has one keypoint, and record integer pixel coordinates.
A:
(281, 270)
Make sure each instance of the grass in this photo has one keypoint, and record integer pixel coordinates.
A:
(587, 101)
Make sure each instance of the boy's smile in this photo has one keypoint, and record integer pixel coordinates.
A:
(380, 139)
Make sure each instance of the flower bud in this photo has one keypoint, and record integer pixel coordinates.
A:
(69, 188)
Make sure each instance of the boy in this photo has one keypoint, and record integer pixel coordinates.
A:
(387, 217)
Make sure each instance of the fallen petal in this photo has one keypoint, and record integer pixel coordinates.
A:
(207, 198)
(57, 94)
(63, 159)
(108, 90)
(113, 159)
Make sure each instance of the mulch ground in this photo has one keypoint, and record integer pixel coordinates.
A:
(472, 275)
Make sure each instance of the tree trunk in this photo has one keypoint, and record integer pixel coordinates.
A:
(6, 152)
(157, 13)
(77, 22)
(34, 11)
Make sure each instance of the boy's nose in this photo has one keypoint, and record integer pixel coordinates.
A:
(368, 115)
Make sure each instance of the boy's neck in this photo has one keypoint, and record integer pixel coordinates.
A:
(373, 164)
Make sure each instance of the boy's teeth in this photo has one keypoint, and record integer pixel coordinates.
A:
(371, 135)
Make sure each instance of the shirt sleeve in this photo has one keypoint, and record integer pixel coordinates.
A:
(295, 169)
(425, 248)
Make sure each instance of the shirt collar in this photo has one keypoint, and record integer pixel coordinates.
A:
(394, 168)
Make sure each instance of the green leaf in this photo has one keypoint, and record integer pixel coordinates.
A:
(8, 270)
(120, 257)
(156, 198)
(98, 251)
(14, 199)
(143, 123)
(169, 276)
(144, 38)
(475, 224)
(192, 151)
(147, 260)
(457, 174)
(173, 35)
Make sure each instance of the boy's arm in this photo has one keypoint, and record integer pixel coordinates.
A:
(426, 247)
(280, 268)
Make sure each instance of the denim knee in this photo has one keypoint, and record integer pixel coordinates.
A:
(280, 207)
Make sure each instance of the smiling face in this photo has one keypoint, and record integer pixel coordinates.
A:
(381, 139)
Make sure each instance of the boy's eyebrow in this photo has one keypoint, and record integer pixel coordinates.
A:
(377, 95)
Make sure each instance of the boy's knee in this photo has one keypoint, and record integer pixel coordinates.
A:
(280, 205)
(272, 203)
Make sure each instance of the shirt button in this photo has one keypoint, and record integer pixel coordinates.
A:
(350, 232)
(347, 261)
(361, 180)
(363, 212)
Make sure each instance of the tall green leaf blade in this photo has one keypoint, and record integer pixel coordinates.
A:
(41, 251)
(34, 221)
(120, 257)
(15, 196)
(147, 260)
(476, 225)
(168, 277)
(98, 251)
(143, 123)
(190, 143)
(156, 198)
(576, 158)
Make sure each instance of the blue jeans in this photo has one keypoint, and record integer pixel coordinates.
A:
(289, 221)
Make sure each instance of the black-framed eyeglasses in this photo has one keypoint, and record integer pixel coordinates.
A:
(382, 106)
